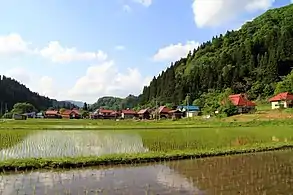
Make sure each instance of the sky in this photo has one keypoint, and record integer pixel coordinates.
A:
(83, 50)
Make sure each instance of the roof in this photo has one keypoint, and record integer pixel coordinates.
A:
(105, 111)
(128, 112)
(190, 108)
(143, 111)
(240, 100)
(51, 112)
(175, 111)
(68, 112)
(282, 96)
(164, 109)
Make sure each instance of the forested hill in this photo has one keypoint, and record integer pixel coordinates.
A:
(12, 92)
(249, 60)
(115, 103)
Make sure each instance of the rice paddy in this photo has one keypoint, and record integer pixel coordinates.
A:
(37, 146)
(260, 173)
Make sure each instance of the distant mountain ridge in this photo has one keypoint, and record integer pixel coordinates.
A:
(77, 103)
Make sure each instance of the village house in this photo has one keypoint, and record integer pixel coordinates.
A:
(175, 114)
(52, 114)
(189, 111)
(282, 100)
(104, 114)
(242, 103)
(71, 114)
(144, 114)
(161, 112)
(128, 114)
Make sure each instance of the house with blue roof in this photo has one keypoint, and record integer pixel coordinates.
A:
(190, 111)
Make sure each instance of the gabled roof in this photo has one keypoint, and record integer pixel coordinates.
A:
(128, 112)
(282, 96)
(68, 112)
(143, 111)
(164, 109)
(175, 111)
(105, 111)
(240, 100)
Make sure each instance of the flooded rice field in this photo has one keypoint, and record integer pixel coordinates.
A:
(252, 174)
(72, 144)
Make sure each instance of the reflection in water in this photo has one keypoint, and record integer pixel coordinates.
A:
(124, 180)
(254, 174)
(73, 143)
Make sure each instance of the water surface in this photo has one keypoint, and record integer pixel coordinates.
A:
(254, 174)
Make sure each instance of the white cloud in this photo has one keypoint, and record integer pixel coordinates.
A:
(209, 13)
(120, 47)
(100, 79)
(20, 74)
(57, 53)
(145, 3)
(105, 79)
(13, 44)
(127, 8)
(175, 52)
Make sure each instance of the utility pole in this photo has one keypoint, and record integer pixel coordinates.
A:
(157, 111)
(187, 103)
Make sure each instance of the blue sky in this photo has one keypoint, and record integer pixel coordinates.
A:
(83, 50)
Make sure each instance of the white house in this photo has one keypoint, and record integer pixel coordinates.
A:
(282, 100)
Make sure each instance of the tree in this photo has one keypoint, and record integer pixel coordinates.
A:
(85, 107)
(21, 108)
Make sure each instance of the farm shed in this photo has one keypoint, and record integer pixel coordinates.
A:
(19, 116)
(282, 100)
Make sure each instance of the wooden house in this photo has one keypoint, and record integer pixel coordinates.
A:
(144, 114)
(161, 112)
(128, 114)
(71, 114)
(175, 114)
(282, 100)
(52, 114)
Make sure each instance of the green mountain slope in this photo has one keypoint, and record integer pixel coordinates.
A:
(249, 60)
(12, 92)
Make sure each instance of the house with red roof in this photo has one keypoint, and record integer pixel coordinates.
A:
(242, 103)
(144, 114)
(71, 114)
(128, 114)
(161, 112)
(282, 100)
(52, 114)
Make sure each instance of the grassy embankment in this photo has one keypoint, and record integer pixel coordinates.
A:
(166, 140)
